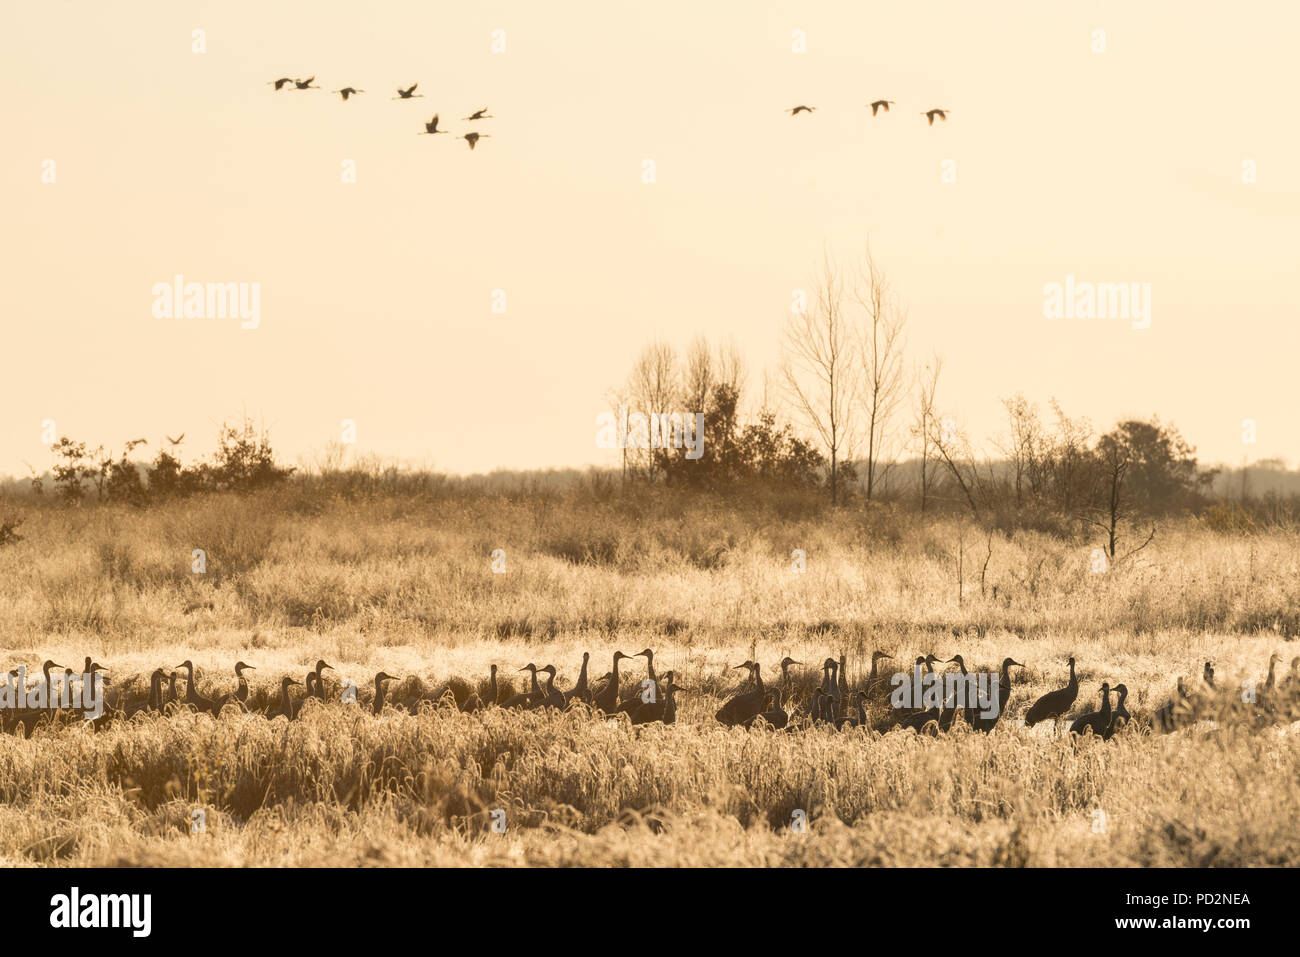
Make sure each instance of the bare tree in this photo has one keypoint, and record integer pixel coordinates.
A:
(820, 370)
(925, 422)
(880, 350)
(654, 386)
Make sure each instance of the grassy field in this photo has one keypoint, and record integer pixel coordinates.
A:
(403, 582)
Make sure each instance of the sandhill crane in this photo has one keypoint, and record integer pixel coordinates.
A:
(880, 105)
(1095, 721)
(981, 723)
(949, 712)
(192, 695)
(409, 93)
(280, 83)
(1120, 716)
(784, 666)
(473, 138)
(931, 114)
(842, 678)
(875, 680)
(1167, 715)
(633, 701)
(776, 715)
(431, 128)
(801, 109)
(176, 441)
(663, 708)
(551, 697)
(580, 691)
(378, 705)
(286, 703)
(1055, 703)
(920, 718)
(305, 84)
(523, 699)
(607, 698)
(347, 91)
(482, 114)
(747, 703)
(171, 688)
(1208, 676)
(240, 694)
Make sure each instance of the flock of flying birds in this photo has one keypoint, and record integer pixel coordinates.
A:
(876, 107)
(430, 128)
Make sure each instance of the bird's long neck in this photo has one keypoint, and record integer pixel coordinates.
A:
(535, 687)
(1105, 704)
(650, 667)
(493, 685)
(1074, 682)
(284, 696)
(379, 695)
(616, 661)
(155, 691)
(1272, 665)
(1122, 696)
(582, 676)
(758, 677)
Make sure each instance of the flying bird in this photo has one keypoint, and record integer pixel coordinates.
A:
(931, 114)
(879, 104)
(432, 127)
(408, 93)
(178, 440)
(801, 109)
(279, 83)
(473, 138)
(305, 84)
(482, 114)
(347, 91)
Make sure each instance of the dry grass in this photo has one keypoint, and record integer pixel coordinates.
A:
(403, 583)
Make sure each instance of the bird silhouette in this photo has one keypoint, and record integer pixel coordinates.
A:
(177, 440)
(801, 109)
(472, 138)
(482, 114)
(347, 91)
(931, 114)
(305, 84)
(408, 93)
(280, 83)
(431, 127)
(879, 104)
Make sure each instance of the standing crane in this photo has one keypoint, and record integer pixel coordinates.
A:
(286, 703)
(192, 695)
(523, 699)
(746, 704)
(663, 708)
(580, 691)
(1120, 717)
(1055, 703)
(607, 698)
(1095, 721)
(984, 724)
(378, 705)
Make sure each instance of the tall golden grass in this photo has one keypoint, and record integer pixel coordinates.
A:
(403, 582)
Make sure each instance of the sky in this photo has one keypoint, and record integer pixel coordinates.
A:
(377, 296)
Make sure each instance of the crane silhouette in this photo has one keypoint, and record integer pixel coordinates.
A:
(801, 109)
(347, 91)
(178, 440)
(305, 84)
(473, 138)
(280, 83)
(408, 93)
(880, 104)
(431, 127)
(1055, 703)
(482, 114)
(931, 114)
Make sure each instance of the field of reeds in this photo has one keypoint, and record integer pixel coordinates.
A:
(403, 581)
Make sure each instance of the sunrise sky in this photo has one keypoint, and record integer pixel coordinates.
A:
(376, 297)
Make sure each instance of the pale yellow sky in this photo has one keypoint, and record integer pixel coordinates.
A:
(376, 296)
